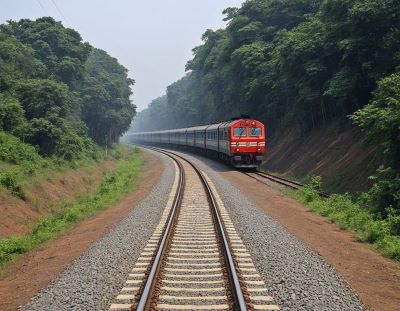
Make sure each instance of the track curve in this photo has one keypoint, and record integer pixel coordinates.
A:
(195, 259)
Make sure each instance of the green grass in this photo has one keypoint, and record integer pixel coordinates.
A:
(122, 181)
(349, 214)
(21, 164)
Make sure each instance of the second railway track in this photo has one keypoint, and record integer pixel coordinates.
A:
(280, 180)
(194, 260)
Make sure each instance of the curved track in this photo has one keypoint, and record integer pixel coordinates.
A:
(194, 260)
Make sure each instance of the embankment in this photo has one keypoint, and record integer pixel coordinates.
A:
(336, 153)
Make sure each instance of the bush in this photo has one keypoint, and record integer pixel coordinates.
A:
(9, 181)
(390, 246)
(351, 214)
(394, 224)
(13, 246)
(12, 117)
(13, 150)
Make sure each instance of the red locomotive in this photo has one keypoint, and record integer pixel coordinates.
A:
(240, 141)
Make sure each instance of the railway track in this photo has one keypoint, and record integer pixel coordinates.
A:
(259, 175)
(194, 260)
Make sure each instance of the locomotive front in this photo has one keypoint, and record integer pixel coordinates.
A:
(247, 143)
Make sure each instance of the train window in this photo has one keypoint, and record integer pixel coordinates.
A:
(239, 131)
(255, 131)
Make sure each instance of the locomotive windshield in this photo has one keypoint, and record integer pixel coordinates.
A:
(239, 131)
(255, 131)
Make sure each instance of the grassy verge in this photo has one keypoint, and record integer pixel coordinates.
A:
(20, 163)
(114, 187)
(349, 214)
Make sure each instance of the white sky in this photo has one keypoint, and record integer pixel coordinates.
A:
(152, 38)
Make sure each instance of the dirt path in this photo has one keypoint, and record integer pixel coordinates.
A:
(374, 278)
(36, 269)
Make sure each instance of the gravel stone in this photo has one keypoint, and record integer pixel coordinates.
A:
(296, 276)
(93, 280)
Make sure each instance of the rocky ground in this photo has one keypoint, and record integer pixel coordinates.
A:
(297, 277)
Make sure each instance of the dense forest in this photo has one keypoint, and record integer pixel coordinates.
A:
(298, 64)
(59, 96)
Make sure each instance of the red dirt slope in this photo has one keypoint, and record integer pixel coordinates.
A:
(340, 157)
(46, 193)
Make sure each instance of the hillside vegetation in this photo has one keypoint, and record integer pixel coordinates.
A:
(60, 98)
(300, 64)
(58, 93)
(61, 102)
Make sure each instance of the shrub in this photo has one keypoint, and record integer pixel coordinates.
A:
(351, 214)
(9, 181)
(13, 150)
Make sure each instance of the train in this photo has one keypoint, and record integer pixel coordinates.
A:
(239, 141)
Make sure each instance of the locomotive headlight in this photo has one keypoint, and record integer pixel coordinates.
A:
(237, 149)
(259, 150)
(253, 123)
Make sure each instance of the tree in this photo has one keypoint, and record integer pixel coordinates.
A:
(42, 97)
(60, 49)
(52, 95)
(12, 118)
(380, 121)
(107, 109)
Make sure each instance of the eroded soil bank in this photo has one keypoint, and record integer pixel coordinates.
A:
(46, 193)
(337, 153)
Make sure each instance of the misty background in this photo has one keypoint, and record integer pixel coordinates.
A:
(153, 39)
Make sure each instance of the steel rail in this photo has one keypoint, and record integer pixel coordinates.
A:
(239, 300)
(280, 180)
(147, 295)
(283, 181)
(274, 177)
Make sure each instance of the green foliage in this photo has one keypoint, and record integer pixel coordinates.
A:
(12, 116)
(12, 150)
(40, 98)
(56, 91)
(60, 49)
(9, 181)
(107, 109)
(17, 61)
(113, 188)
(380, 121)
(288, 63)
(383, 234)
(298, 64)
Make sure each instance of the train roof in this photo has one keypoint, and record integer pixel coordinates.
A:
(198, 128)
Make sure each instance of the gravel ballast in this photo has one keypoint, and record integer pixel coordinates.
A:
(297, 277)
(93, 280)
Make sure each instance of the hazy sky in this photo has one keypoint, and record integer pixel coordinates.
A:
(153, 39)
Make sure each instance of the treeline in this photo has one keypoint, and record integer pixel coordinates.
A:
(298, 63)
(58, 93)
